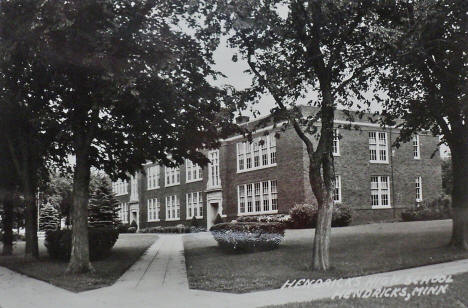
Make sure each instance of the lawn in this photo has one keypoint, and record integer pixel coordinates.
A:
(355, 251)
(127, 250)
(456, 296)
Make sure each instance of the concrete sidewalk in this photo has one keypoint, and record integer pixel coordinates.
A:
(159, 279)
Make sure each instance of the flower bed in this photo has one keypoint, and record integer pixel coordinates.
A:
(248, 236)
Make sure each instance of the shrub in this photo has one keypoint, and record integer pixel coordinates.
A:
(218, 220)
(131, 230)
(49, 219)
(280, 218)
(436, 209)
(134, 224)
(123, 228)
(342, 215)
(248, 236)
(303, 216)
(194, 222)
(101, 241)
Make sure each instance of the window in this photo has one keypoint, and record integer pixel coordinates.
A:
(194, 205)
(337, 191)
(172, 208)
(380, 191)
(193, 172)
(378, 147)
(336, 143)
(172, 176)
(258, 198)
(120, 187)
(213, 169)
(152, 175)
(419, 196)
(416, 149)
(134, 188)
(261, 153)
(123, 212)
(153, 209)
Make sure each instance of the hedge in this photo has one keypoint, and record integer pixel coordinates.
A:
(436, 209)
(248, 236)
(101, 241)
(305, 215)
(172, 229)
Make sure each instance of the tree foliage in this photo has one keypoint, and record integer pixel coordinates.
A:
(49, 219)
(103, 207)
(426, 78)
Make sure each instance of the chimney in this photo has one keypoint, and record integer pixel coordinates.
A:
(242, 119)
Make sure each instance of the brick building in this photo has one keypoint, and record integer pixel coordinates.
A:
(270, 175)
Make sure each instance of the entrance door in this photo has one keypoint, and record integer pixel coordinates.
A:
(134, 217)
(212, 211)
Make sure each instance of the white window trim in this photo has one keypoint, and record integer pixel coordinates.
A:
(337, 181)
(198, 205)
(121, 188)
(156, 203)
(177, 203)
(336, 134)
(123, 212)
(176, 169)
(416, 144)
(246, 213)
(134, 188)
(379, 192)
(268, 148)
(149, 176)
(378, 147)
(214, 155)
(189, 167)
(419, 181)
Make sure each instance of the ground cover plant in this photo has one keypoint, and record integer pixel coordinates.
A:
(356, 251)
(127, 250)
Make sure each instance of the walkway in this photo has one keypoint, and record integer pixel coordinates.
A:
(159, 279)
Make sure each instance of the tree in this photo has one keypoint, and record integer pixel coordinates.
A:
(126, 86)
(49, 219)
(103, 206)
(27, 128)
(295, 50)
(426, 78)
(447, 176)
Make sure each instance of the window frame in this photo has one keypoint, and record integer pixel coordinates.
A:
(153, 175)
(419, 189)
(190, 205)
(153, 206)
(171, 172)
(378, 147)
(191, 169)
(214, 179)
(381, 191)
(250, 155)
(337, 187)
(253, 196)
(336, 142)
(172, 204)
(416, 145)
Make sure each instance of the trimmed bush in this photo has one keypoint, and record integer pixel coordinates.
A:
(171, 229)
(131, 230)
(342, 215)
(303, 216)
(134, 224)
(248, 236)
(194, 222)
(279, 218)
(101, 241)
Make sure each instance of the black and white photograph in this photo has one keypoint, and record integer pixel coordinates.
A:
(233, 153)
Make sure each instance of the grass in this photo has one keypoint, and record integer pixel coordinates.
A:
(127, 250)
(456, 296)
(354, 251)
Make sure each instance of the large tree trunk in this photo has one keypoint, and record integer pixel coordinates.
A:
(79, 260)
(322, 184)
(7, 221)
(460, 196)
(30, 217)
